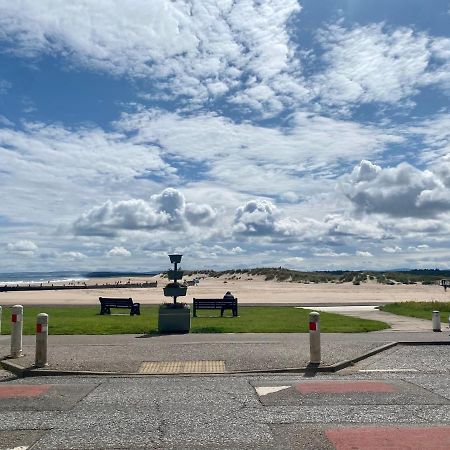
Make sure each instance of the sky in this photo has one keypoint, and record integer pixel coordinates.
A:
(310, 134)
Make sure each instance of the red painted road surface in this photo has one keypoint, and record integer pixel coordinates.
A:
(343, 387)
(24, 390)
(392, 438)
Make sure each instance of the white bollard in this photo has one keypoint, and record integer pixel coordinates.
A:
(314, 338)
(16, 331)
(41, 340)
(436, 321)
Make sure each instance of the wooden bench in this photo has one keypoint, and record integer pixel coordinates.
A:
(215, 303)
(107, 303)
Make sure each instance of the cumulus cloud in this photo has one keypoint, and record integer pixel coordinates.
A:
(363, 253)
(394, 249)
(73, 256)
(402, 191)
(24, 247)
(118, 251)
(166, 210)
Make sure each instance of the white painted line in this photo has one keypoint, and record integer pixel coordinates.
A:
(387, 370)
(264, 390)
(341, 308)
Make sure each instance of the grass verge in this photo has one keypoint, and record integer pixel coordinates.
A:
(421, 310)
(252, 319)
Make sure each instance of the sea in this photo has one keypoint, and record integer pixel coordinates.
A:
(63, 276)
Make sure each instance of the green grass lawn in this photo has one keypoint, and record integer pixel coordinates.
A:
(421, 310)
(265, 319)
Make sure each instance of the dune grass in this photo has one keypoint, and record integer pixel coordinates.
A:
(421, 310)
(263, 319)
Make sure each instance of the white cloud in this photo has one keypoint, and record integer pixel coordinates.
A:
(328, 253)
(261, 160)
(401, 191)
(376, 63)
(165, 211)
(23, 247)
(73, 256)
(119, 252)
(394, 249)
(363, 253)
(199, 49)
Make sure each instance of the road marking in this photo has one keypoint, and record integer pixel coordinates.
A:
(264, 390)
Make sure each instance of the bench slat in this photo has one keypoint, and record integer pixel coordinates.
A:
(215, 303)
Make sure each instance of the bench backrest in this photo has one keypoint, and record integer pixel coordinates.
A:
(116, 301)
(215, 301)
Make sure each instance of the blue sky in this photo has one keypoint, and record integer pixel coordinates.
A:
(305, 134)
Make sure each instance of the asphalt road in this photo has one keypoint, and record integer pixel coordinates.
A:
(400, 397)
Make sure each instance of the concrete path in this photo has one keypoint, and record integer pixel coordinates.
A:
(396, 322)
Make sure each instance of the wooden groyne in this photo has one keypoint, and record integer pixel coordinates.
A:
(60, 287)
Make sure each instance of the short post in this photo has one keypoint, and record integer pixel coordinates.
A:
(41, 340)
(436, 321)
(314, 338)
(16, 331)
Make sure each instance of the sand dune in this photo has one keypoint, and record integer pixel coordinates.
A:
(248, 290)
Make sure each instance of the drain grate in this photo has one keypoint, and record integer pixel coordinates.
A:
(165, 367)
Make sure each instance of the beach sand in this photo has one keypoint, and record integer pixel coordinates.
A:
(249, 290)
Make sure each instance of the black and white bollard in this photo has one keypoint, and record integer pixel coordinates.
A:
(436, 321)
(41, 340)
(314, 338)
(16, 331)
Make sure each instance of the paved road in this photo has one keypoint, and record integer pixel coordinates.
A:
(400, 398)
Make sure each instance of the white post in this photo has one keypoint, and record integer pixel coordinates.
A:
(436, 321)
(16, 331)
(314, 338)
(1, 320)
(41, 340)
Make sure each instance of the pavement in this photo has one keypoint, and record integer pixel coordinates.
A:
(386, 389)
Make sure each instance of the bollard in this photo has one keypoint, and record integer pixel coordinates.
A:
(314, 338)
(41, 340)
(16, 331)
(436, 321)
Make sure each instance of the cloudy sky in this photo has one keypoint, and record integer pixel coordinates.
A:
(306, 134)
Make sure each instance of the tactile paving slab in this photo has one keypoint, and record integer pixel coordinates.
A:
(171, 367)
(345, 392)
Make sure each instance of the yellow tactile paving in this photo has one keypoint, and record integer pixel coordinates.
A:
(166, 367)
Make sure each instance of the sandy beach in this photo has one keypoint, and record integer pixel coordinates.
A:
(249, 290)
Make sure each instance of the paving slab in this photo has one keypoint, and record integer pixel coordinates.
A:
(351, 392)
(19, 439)
(41, 397)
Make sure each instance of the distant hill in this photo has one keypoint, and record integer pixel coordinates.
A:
(107, 274)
